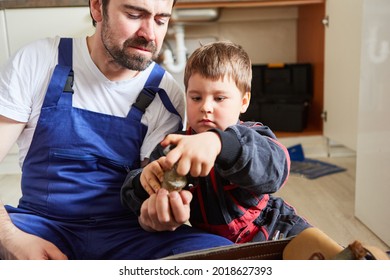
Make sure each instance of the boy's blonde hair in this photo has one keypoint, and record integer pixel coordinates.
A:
(218, 60)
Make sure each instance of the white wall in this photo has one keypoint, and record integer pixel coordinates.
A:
(26, 25)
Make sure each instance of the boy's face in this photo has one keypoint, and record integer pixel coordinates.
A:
(214, 104)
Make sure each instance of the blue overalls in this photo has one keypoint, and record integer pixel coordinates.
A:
(73, 172)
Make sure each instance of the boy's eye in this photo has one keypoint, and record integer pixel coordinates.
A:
(220, 98)
(195, 98)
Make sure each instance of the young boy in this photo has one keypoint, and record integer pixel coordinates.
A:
(232, 167)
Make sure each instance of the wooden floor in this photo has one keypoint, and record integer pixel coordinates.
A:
(326, 202)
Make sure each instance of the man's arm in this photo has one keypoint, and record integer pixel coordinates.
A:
(10, 130)
(18, 245)
(14, 243)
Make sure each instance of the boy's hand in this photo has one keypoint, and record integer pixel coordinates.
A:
(152, 176)
(164, 211)
(194, 154)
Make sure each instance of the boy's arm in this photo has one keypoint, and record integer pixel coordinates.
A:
(252, 157)
(132, 192)
(140, 184)
(193, 155)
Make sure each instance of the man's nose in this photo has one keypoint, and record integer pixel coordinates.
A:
(147, 30)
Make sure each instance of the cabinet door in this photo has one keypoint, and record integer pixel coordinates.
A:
(27, 25)
(342, 71)
(373, 152)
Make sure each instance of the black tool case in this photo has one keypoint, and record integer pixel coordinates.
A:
(281, 96)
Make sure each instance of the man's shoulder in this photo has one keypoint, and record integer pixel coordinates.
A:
(34, 55)
(36, 52)
(42, 44)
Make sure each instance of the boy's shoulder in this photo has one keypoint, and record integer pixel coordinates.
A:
(251, 124)
(259, 127)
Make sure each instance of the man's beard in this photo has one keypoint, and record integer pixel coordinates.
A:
(124, 57)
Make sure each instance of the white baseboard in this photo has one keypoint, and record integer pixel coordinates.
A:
(318, 146)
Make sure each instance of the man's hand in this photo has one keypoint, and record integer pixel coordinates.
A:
(18, 245)
(164, 211)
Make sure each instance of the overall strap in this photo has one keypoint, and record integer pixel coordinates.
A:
(65, 52)
(62, 78)
(149, 91)
(65, 57)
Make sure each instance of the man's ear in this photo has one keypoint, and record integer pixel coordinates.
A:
(96, 10)
(245, 101)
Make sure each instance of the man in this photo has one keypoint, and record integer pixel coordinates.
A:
(81, 123)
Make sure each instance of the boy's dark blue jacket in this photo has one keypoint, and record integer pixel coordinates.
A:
(234, 199)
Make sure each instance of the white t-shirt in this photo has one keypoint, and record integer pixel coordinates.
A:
(25, 78)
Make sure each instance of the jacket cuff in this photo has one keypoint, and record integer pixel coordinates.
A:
(230, 148)
(139, 191)
(133, 194)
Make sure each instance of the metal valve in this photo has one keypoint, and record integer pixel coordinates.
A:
(173, 181)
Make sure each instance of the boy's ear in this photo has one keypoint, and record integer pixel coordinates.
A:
(245, 102)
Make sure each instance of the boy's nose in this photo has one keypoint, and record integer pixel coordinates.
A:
(207, 107)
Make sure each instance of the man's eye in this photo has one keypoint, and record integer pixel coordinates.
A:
(133, 16)
(162, 20)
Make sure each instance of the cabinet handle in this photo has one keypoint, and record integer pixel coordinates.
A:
(325, 21)
(324, 116)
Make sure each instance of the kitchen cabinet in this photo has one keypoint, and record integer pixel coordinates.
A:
(271, 39)
(274, 34)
